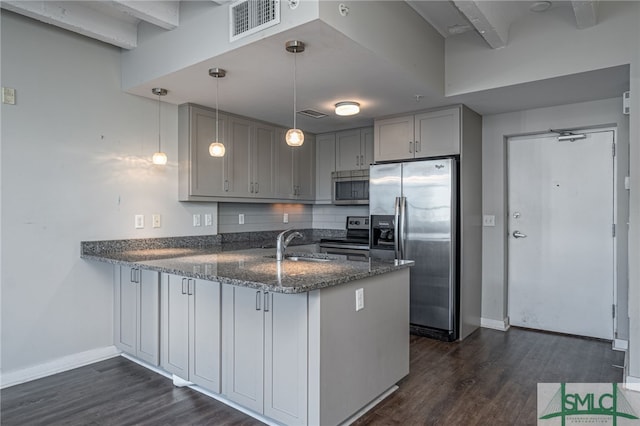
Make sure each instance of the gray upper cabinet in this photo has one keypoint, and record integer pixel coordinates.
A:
(137, 313)
(265, 352)
(191, 330)
(200, 174)
(258, 165)
(354, 149)
(423, 135)
(325, 165)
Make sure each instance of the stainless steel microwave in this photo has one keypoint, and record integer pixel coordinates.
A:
(350, 187)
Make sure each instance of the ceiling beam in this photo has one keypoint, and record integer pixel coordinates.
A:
(76, 17)
(488, 19)
(164, 14)
(586, 13)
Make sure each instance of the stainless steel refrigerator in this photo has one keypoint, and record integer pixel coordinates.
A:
(413, 208)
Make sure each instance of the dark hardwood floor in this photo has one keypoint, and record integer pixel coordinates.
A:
(489, 379)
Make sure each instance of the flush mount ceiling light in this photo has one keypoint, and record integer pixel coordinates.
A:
(347, 108)
(216, 149)
(540, 6)
(294, 136)
(159, 158)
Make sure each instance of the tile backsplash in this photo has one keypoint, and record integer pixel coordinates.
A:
(269, 217)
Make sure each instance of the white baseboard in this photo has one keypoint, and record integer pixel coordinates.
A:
(632, 383)
(620, 345)
(57, 366)
(495, 324)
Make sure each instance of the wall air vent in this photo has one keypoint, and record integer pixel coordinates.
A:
(311, 113)
(250, 16)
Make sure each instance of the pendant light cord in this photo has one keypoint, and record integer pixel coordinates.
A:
(217, 91)
(159, 142)
(294, 89)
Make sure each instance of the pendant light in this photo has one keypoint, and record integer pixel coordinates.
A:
(294, 136)
(216, 149)
(159, 158)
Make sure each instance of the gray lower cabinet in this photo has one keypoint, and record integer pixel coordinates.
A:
(137, 313)
(265, 352)
(191, 330)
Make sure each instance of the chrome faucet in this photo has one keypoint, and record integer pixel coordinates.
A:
(282, 242)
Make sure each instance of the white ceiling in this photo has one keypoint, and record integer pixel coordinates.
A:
(259, 75)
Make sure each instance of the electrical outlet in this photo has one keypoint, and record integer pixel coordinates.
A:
(489, 220)
(155, 221)
(196, 220)
(208, 219)
(285, 218)
(359, 299)
(241, 219)
(8, 96)
(139, 221)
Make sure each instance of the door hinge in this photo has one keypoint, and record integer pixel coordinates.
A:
(613, 230)
(613, 311)
(613, 149)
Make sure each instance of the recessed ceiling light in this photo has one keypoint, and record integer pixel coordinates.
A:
(540, 6)
(347, 108)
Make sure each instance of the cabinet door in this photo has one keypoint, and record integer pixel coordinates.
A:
(204, 334)
(126, 311)
(325, 165)
(437, 133)
(239, 152)
(305, 169)
(243, 346)
(366, 147)
(208, 174)
(148, 339)
(263, 158)
(348, 154)
(175, 325)
(285, 398)
(284, 162)
(393, 138)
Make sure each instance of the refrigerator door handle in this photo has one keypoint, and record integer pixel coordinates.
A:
(401, 237)
(396, 225)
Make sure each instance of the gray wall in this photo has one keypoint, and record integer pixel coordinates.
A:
(76, 166)
(496, 128)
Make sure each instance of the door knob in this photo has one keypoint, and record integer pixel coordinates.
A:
(518, 234)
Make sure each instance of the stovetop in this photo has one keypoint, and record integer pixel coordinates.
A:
(357, 232)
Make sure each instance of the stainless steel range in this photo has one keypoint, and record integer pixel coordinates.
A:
(356, 242)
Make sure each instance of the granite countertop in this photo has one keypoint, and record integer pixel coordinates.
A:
(255, 267)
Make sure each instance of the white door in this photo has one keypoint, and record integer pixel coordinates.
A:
(561, 245)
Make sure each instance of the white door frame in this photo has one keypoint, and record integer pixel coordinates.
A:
(614, 293)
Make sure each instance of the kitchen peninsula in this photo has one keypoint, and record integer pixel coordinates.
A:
(310, 340)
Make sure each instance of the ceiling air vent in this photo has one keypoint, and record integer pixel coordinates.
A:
(250, 16)
(311, 113)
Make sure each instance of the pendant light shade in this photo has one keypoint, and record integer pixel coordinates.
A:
(216, 148)
(159, 158)
(294, 136)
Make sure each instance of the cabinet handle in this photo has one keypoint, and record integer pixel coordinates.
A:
(251, 187)
(357, 160)
(410, 147)
(184, 291)
(362, 160)
(132, 278)
(226, 185)
(190, 286)
(266, 301)
(257, 187)
(418, 146)
(257, 300)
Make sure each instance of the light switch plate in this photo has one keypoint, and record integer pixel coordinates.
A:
(241, 219)
(8, 96)
(196, 219)
(155, 220)
(285, 218)
(489, 220)
(139, 221)
(208, 219)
